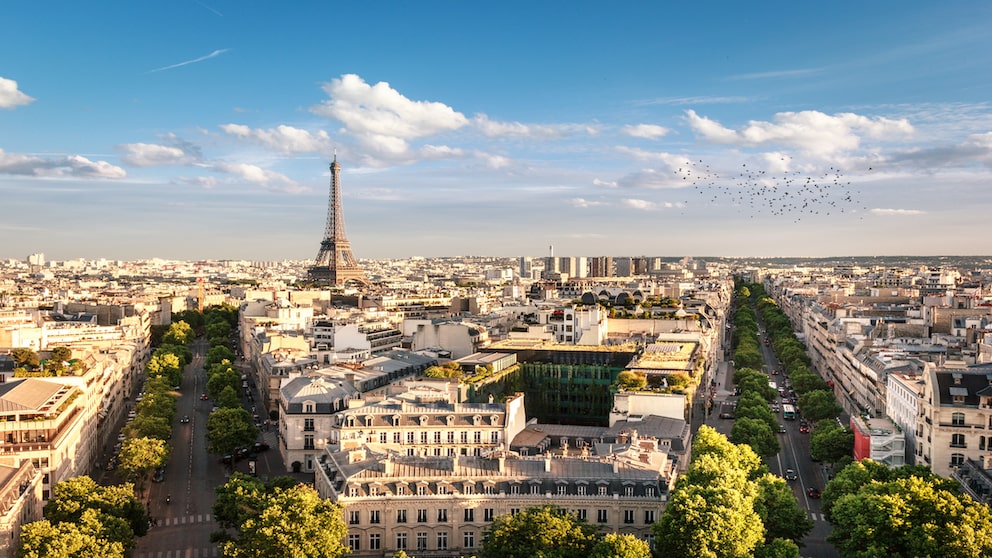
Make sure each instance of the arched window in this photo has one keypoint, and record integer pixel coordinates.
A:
(957, 419)
(957, 459)
(957, 441)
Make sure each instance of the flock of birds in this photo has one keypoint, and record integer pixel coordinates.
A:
(791, 194)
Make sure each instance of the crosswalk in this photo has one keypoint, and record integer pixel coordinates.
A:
(817, 516)
(206, 552)
(184, 520)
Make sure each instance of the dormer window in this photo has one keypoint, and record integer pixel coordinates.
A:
(494, 420)
(396, 420)
(451, 420)
(309, 406)
(368, 420)
(423, 420)
(477, 419)
(957, 379)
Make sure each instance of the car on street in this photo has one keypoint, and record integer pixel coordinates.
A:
(185, 419)
(781, 429)
(813, 492)
(260, 447)
(790, 475)
(159, 475)
(804, 428)
(203, 397)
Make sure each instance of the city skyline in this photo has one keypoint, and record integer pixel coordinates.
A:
(205, 129)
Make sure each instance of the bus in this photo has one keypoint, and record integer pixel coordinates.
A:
(788, 412)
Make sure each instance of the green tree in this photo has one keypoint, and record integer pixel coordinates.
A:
(179, 333)
(633, 381)
(219, 353)
(140, 455)
(165, 365)
(73, 496)
(539, 532)
(678, 381)
(615, 545)
(777, 548)
(61, 354)
(228, 398)
(710, 442)
(228, 429)
(806, 383)
(910, 517)
(25, 358)
(755, 433)
(83, 539)
(715, 521)
(216, 382)
(448, 370)
(289, 522)
(779, 510)
(818, 405)
(239, 499)
(149, 426)
(831, 442)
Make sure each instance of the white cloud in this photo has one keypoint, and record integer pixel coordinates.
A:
(205, 182)
(889, 212)
(193, 61)
(69, 165)
(173, 151)
(977, 148)
(811, 131)
(776, 74)
(604, 183)
(381, 117)
(494, 128)
(441, 152)
(645, 205)
(10, 97)
(646, 131)
(263, 177)
(152, 155)
(282, 138)
(581, 202)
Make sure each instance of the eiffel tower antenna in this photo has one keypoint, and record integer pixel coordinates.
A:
(335, 264)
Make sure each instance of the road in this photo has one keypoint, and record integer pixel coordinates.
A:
(794, 453)
(182, 527)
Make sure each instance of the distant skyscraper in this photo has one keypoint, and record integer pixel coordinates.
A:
(623, 266)
(335, 264)
(526, 263)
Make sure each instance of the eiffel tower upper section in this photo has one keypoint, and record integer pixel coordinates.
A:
(335, 264)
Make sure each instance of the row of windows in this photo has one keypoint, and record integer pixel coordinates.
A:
(352, 422)
(402, 541)
(488, 514)
(562, 489)
(958, 441)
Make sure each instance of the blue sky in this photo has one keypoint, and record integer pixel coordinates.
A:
(187, 129)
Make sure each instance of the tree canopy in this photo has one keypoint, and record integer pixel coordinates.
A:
(540, 532)
(278, 519)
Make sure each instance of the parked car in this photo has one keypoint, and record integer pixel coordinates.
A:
(159, 475)
(790, 475)
(185, 419)
(260, 447)
(804, 428)
(204, 397)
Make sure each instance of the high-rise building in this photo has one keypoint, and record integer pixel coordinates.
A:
(335, 264)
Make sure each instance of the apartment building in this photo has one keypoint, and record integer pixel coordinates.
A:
(955, 421)
(420, 473)
(21, 502)
(42, 421)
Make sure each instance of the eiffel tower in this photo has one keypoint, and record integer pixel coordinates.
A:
(335, 264)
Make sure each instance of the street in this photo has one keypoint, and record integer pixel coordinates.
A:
(182, 526)
(794, 453)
